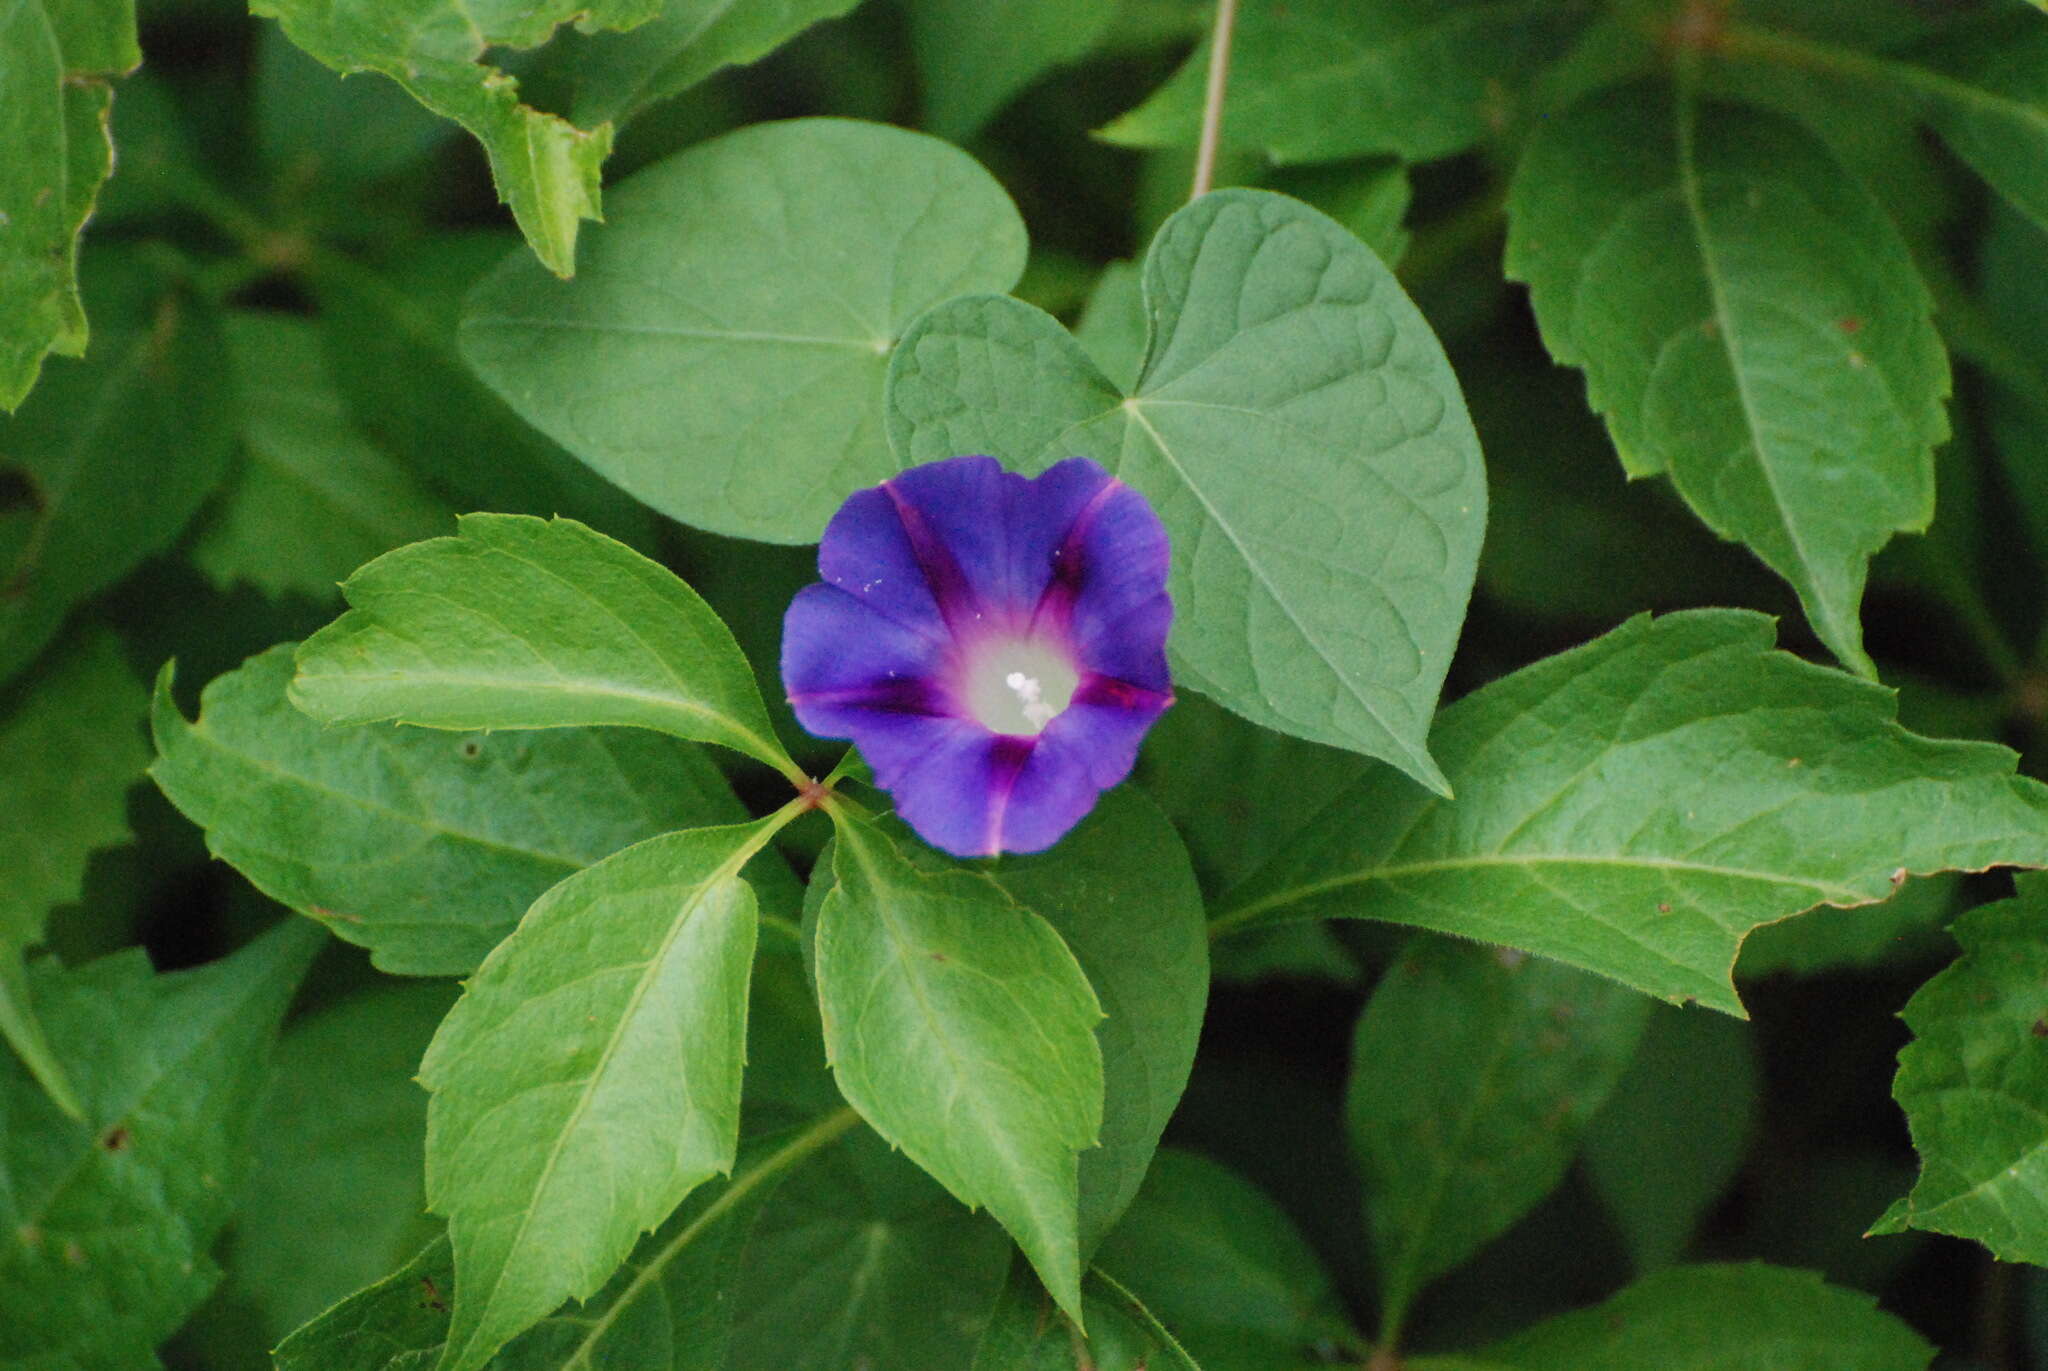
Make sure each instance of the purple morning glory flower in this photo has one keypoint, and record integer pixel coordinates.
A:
(994, 645)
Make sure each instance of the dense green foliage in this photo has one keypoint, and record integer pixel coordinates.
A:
(1568, 920)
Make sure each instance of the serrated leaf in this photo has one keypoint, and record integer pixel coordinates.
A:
(589, 1078)
(1706, 1318)
(69, 750)
(1318, 591)
(311, 499)
(722, 353)
(1673, 1133)
(1974, 1083)
(148, 397)
(961, 1026)
(1636, 805)
(54, 61)
(1318, 80)
(390, 340)
(1120, 892)
(422, 847)
(620, 74)
(1222, 1265)
(546, 169)
(1474, 1071)
(519, 622)
(1026, 1332)
(973, 56)
(109, 1220)
(1748, 320)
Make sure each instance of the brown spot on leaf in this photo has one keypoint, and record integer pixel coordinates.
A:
(1849, 325)
(2040, 1028)
(115, 1139)
(1663, 906)
(431, 1296)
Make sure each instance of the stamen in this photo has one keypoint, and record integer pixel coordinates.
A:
(1016, 687)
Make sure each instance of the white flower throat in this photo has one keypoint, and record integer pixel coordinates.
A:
(1018, 687)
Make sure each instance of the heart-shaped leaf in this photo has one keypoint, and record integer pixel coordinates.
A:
(1299, 431)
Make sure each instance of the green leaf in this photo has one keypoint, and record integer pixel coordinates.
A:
(391, 348)
(426, 849)
(620, 74)
(739, 307)
(1026, 1332)
(1982, 88)
(1112, 327)
(1706, 1318)
(519, 622)
(54, 61)
(589, 1078)
(546, 169)
(311, 499)
(1319, 591)
(398, 1324)
(339, 1143)
(1748, 320)
(1673, 1134)
(973, 56)
(1371, 198)
(149, 397)
(1635, 806)
(1318, 80)
(1474, 1071)
(1906, 926)
(962, 1027)
(69, 750)
(109, 1220)
(1120, 892)
(1974, 1084)
(859, 1259)
(324, 137)
(1238, 793)
(1222, 1265)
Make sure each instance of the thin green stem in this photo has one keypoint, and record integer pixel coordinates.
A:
(1212, 99)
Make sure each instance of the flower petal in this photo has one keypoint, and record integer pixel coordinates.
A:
(843, 662)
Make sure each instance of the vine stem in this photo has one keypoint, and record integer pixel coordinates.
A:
(1212, 99)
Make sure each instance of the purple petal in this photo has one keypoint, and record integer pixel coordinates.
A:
(843, 661)
(928, 574)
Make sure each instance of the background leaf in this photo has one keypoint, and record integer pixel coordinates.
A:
(991, 1090)
(54, 59)
(150, 396)
(1318, 592)
(1675, 783)
(112, 1217)
(1027, 1333)
(1672, 1135)
(518, 622)
(390, 340)
(80, 711)
(1222, 1266)
(311, 499)
(339, 1143)
(1474, 1071)
(1700, 1317)
(589, 1078)
(721, 355)
(422, 847)
(620, 74)
(973, 55)
(1974, 1084)
(546, 168)
(1317, 80)
(1748, 320)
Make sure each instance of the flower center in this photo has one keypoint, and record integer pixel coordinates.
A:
(1017, 687)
